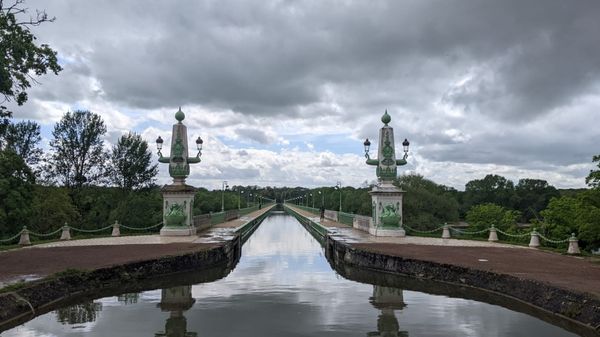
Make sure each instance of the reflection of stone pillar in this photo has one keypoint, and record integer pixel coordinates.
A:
(387, 300)
(176, 300)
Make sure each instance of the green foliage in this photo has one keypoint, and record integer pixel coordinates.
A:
(593, 179)
(138, 209)
(484, 215)
(16, 181)
(579, 215)
(131, 163)
(52, 208)
(79, 156)
(23, 138)
(426, 204)
(532, 196)
(21, 57)
(491, 189)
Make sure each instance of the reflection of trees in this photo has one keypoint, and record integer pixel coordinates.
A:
(129, 298)
(176, 300)
(79, 313)
(387, 300)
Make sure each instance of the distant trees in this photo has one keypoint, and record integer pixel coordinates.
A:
(492, 188)
(426, 204)
(131, 163)
(532, 196)
(78, 156)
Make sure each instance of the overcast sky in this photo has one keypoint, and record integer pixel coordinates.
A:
(284, 92)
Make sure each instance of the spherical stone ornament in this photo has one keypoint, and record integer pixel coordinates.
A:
(386, 118)
(179, 115)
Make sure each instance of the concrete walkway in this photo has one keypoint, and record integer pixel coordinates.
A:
(348, 234)
(35, 262)
(565, 271)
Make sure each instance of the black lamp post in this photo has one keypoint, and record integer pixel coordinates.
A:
(367, 144)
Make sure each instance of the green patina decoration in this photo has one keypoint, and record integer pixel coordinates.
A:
(390, 217)
(175, 216)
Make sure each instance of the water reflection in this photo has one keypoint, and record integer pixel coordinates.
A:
(388, 300)
(176, 300)
(284, 286)
(80, 313)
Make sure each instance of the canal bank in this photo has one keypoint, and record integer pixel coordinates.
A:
(463, 266)
(71, 271)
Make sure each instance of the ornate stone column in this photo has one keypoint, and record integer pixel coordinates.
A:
(178, 197)
(386, 198)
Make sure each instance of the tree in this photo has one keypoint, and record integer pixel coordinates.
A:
(16, 181)
(532, 196)
(51, 208)
(79, 157)
(593, 179)
(484, 215)
(426, 204)
(23, 138)
(491, 189)
(20, 57)
(131, 163)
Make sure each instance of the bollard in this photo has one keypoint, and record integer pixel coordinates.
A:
(534, 242)
(116, 231)
(66, 232)
(573, 245)
(24, 239)
(493, 234)
(446, 232)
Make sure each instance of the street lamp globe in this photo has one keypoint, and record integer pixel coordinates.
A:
(405, 145)
(159, 143)
(367, 144)
(199, 143)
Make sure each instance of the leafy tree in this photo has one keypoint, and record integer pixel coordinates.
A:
(23, 138)
(16, 180)
(79, 157)
(579, 215)
(484, 215)
(51, 208)
(427, 204)
(532, 196)
(593, 179)
(131, 163)
(491, 189)
(20, 57)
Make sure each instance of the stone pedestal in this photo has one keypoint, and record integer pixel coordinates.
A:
(178, 204)
(387, 210)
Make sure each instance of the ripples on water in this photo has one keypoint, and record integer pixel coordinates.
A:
(283, 286)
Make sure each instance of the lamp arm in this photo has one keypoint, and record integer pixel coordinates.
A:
(373, 162)
(400, 162)
(193, 160)
(162, 159)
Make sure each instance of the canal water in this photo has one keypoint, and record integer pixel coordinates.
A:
(283, 286)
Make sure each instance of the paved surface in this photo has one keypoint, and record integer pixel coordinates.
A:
(569, 272)
(34, 262)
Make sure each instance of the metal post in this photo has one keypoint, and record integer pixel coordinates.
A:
(223, 196)
(339, 186)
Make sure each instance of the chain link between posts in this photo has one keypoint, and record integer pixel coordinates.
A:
(553, 241)
(12, 238)
(141, 229)
(45, 235)
(513, 235)
(469, 233)
(91, 230)
(423, 232)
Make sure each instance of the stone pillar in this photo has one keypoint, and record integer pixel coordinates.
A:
(573, 245)
(387, 210)
(178, 205)
(116, 230)
(24, 239)
(534, 242)
(493, 235)
(66, 232)
(176, 300)
(446, 232)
